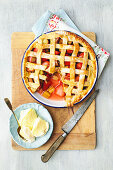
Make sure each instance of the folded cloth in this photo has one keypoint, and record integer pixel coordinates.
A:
(61, 21)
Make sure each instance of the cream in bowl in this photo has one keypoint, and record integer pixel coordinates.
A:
(32, 125)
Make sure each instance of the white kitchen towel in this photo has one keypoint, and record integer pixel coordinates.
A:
(61, 21)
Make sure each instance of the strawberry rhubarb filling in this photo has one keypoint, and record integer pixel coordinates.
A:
(53, 88)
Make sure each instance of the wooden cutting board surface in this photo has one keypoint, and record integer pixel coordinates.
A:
(83, 135)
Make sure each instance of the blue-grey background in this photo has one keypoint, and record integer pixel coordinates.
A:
(88, 15)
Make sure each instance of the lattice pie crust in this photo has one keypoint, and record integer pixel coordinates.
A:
(74, 90)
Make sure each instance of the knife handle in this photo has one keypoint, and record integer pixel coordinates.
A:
(53, 148)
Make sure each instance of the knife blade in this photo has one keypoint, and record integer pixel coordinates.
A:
(67, 127)
(79, 113)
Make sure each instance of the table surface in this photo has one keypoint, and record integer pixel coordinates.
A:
(89, 15)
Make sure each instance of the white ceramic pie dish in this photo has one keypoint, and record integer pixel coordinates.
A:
(48, 102)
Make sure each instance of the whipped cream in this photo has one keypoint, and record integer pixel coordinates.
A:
(32, 125)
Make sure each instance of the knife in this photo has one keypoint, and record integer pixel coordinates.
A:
(68, 127)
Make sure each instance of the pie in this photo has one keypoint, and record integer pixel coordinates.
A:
(63, 58)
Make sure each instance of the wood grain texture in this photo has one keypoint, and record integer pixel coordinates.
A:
(83, 135)
(89, 15)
